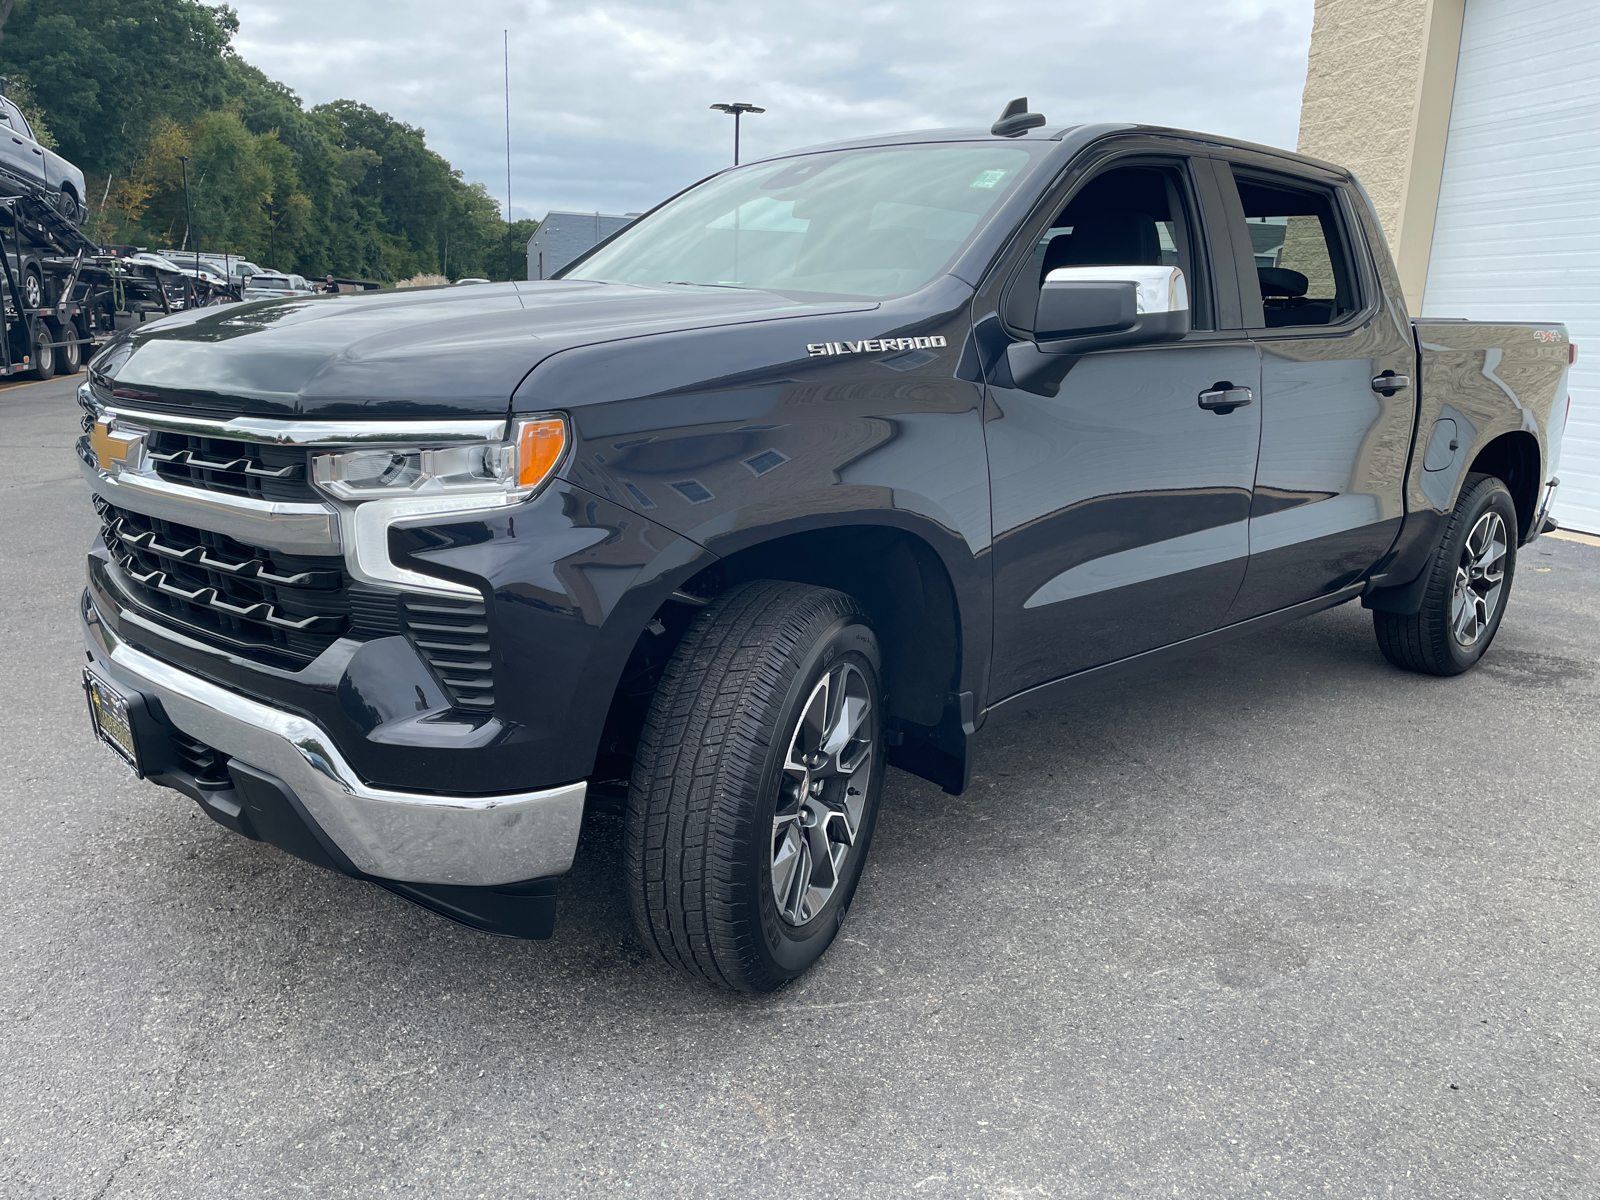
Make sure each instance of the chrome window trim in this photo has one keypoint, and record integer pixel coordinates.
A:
(310, 433)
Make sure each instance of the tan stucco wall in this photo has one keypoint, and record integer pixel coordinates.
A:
(1379, 81)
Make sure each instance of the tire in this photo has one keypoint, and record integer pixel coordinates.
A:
(724, 873)
(67, 205)
(32, 290)
(1468, 585)
(69, 359)
(44, 357)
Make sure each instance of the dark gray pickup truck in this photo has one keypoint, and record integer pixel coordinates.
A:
(822, 466)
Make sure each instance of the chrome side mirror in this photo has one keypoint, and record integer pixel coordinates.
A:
(1093, 308)
(1099, 307)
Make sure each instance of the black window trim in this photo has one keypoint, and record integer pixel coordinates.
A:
(1093, 161)
(1357, 252)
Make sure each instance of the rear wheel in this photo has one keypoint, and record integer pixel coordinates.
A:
(755, 785)
(1468, 585)
(67, 205)
(44, 355)
(69, 358)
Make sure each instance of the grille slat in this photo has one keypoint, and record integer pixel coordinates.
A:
(264, 472)
(453, 636)
(239, 594)
(263, 603)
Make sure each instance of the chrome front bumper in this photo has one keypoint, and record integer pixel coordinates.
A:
(477, 841)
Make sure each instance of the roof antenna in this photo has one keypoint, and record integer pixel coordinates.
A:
(1016, 120)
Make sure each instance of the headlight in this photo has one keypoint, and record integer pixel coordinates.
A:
(516, 467)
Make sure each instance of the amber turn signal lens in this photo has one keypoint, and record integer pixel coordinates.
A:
(539, 447)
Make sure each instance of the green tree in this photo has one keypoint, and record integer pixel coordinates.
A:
(107, 70)
(130, 86)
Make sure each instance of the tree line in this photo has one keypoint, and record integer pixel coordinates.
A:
(127, 89)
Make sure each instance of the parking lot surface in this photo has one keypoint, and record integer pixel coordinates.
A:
(1280, 921)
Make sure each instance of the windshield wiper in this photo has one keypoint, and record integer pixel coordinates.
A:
(738, 287)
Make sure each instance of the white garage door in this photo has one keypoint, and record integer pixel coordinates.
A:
(1518, 231)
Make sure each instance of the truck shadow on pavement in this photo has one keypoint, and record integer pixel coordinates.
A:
(1099, 788)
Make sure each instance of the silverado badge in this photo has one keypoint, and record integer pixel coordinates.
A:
(874, 346)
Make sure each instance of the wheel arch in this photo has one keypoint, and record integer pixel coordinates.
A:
(1515, 459)
(905, 584)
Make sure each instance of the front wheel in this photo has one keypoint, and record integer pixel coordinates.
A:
(1468, 585)
(755, 785)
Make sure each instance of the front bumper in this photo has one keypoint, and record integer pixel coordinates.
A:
(405, 837)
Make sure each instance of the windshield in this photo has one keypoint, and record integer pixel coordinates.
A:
(857, 223)
(269, 281)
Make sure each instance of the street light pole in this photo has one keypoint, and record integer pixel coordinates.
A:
(188, 218)
(736, 111)
(188, 227)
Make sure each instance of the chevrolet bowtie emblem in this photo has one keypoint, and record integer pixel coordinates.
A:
(111, 445)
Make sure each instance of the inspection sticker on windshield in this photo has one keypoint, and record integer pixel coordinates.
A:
(989, 179)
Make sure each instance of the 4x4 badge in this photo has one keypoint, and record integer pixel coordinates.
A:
(874, 346)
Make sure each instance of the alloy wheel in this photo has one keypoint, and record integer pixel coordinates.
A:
(1480, 580)
(827, 775)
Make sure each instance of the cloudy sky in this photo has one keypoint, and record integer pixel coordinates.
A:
(610, 101)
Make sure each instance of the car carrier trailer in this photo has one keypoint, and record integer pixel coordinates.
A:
(63, 297)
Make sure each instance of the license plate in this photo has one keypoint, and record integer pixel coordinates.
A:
(108, 712)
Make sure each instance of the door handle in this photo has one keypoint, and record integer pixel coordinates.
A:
(1222, 398)
(1389, 383)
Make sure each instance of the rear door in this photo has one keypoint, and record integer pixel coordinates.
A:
(1119, 504)
(1329, 482)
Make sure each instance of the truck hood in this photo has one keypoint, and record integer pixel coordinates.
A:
(424, 352)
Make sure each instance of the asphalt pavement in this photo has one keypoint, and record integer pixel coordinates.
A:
(1280, 921)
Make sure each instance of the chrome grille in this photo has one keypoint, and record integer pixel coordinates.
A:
(453, 635)
(241, 595)
(263, 472)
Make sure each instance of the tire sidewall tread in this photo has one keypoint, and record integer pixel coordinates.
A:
(702, 773)
(1423, 641)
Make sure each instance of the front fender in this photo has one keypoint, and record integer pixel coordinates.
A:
(572, 580)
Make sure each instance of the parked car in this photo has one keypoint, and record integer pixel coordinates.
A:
(26, 165)
(152, 259)
(26, 261)
(237, 270)
(264, 285)
(830, 463)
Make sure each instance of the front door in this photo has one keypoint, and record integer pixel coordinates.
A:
(1328, 495)
(1120, 505)
(19, 153)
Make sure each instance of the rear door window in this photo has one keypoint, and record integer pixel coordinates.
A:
(1303, 269)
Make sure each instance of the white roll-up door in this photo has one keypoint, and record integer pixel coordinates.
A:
(1517, 235)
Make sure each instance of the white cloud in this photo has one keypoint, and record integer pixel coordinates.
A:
(610, 100)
